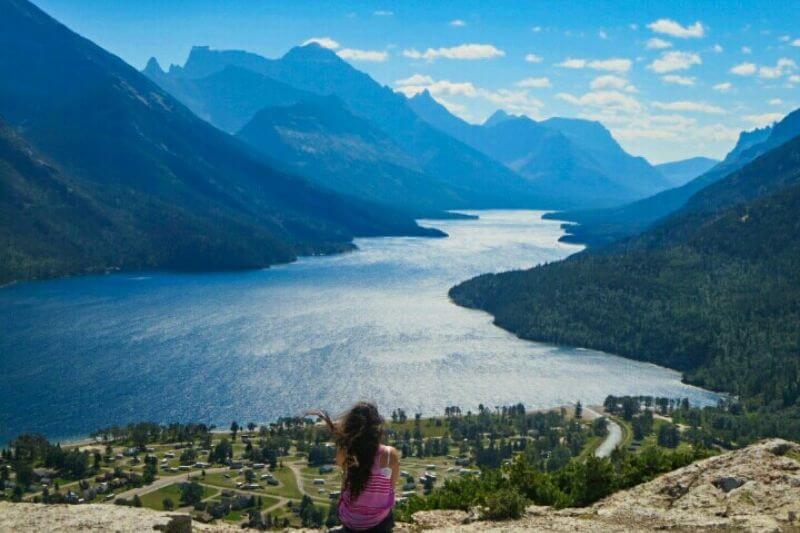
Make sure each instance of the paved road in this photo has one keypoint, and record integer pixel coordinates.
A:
(163, 481)
(612, 440)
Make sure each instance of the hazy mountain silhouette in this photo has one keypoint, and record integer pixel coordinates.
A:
(323, 140)
(569, 161)
(680, 172)
(600, 227)
(460, 176)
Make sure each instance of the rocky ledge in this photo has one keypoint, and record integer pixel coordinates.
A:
(753, 489)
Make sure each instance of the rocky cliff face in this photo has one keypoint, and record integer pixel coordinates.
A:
(753, 489)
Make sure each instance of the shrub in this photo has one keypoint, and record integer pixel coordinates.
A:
(504, 504)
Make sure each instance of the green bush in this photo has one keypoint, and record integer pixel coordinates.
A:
(504, 504)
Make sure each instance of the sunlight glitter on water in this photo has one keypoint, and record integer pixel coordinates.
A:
(83, 353)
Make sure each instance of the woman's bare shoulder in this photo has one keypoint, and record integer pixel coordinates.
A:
(393, 453)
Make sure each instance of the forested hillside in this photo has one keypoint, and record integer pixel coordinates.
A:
(345, 153)
(712, 291)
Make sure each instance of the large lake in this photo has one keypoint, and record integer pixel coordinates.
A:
(83, 353)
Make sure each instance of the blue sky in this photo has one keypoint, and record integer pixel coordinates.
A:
(669, 79)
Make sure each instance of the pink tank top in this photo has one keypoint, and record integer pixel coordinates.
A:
(376, 499)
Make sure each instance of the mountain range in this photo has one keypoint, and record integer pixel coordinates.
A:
(234, 160)
(436, 160)
(455, 175)
(568, 161)
(603, 226)
(680, 172)
(710, 290)
(102, 170)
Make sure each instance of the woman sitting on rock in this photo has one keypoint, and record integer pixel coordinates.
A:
(369, 469)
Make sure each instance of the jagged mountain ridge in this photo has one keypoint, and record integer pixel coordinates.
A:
(460, 177)
(603, 226)
(174, 191)
(564, 158)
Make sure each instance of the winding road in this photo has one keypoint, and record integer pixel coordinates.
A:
(612, 440)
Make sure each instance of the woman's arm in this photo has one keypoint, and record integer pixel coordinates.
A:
(339, 457)
(394, 464)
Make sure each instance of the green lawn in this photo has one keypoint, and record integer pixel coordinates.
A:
(288, 487)
(155, 499)
(218, 479)
(238, 515)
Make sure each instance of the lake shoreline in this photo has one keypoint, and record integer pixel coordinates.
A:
(112, 349)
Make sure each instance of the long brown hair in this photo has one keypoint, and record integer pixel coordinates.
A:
(358, 434)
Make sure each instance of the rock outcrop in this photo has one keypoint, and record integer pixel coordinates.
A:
(32, 517)
(753, 489)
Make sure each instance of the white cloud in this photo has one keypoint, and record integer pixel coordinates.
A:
(355, 54)
(534, 83)
(658, 44)
(776, 101)
(764, 119)
(325, 42)
(698, 107)
(794, 78)
(606, 100)
(671, 61)
(674, 29)
(609, 81)
(463, 51)
(602, 34)
(418, 83)
(573, 63)
(533, 58)
(415, 79)
(383, 13)
(458, 23)
(718, 48)
(744, 69)
(747, 50)
(615, 64)
(611, 65)
(796, 42)
(536, 29)
(457, 109)
(513, 101)
(783, 66)
(723, 87)
(678, 80)
(672, 127)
